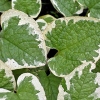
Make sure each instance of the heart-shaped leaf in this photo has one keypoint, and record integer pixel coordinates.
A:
(76, 40)
(21, 41)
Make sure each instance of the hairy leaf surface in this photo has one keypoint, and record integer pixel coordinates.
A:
(21, 41)
(29, 87)
(84, 86)
(75, 42)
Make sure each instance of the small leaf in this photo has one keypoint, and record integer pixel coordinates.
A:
(29, 87)
(7, 80)
(5, 5)
(75, 41)
(50, 84)
(42, 24)
(93, 6)
(47, 18)
(66, 7)
(21, 41)
(30, 7)
(84, 86)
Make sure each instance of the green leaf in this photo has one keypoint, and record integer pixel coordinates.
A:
(93, 6)
(50, 84)
(42, 24)
(84, 86)
(47, 18)
(29, 87)
(5, 5)
(75, 42)
(66, 7)
(30, 7)
(21, 41)
(97, 69)
(5, 82)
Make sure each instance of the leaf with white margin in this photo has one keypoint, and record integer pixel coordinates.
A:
(67, 7)
(82, 84)
(48, 18)
(21, 41)
(7, 80)
(5, 5)
(50, 84)
(76, 39)
(30, 7)
(29, 87)
(93, 7)
(42, 24)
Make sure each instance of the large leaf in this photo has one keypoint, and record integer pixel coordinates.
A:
(66, 7)
(5, 5)
(21, 41)
(50, 84)
(93, 6)
(29, 87)
(82, 85)
(31, 7)
(75, 41)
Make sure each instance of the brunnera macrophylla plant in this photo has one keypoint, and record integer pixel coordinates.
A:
(25, 43)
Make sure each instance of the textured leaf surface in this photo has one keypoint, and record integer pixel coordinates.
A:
(5, 5)
(42, 24)
(84, 86)
(75, 42)
(7, 80)
(28, 88)
(50, 84)
(21, 41)
(31, 7)
(66, 7)
(93, 6)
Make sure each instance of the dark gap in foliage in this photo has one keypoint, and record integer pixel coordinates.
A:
(15, 91)
(51, 53)
(47, 72)
(84, 13)
(47, 8)
(97, 69)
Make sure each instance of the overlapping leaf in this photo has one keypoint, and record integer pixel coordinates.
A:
(84, 86)
(93, 6)
(50, 84)
(31, 7)
(29, 87)
(5, 5)
(21, 42)
(75, 42)
(66, 7)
